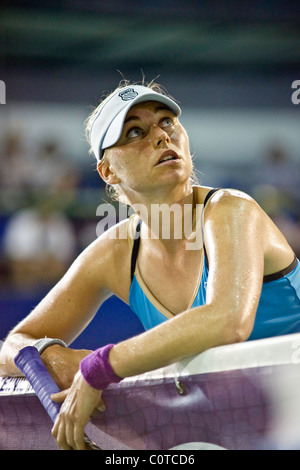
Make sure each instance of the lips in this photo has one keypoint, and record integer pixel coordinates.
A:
(166, 156)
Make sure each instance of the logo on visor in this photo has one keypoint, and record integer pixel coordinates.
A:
(128, 94)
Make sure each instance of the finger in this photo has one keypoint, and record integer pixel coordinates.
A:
(79, 438)
(95, 412)
(69, 435)
(101, 404)
(59, 435)
(60, 396)
(101, 407)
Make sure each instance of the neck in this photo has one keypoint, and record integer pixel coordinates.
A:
(167, 218)
(161, 195)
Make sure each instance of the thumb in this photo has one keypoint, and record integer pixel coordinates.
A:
(101, 405)
(60, 396)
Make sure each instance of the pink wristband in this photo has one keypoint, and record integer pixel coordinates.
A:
(96, 369)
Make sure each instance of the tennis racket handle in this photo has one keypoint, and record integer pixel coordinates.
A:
(29, 361)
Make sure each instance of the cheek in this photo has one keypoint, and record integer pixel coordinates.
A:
(184, 144)
(122, 165)
(180, 136)
(185, 140)
(116, 159)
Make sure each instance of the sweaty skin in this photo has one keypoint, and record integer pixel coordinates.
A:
(233, 223)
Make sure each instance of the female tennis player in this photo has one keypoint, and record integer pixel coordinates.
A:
(241, 283)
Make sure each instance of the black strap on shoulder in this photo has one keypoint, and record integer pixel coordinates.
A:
(135, 249)
(209, 194)
(136, 243)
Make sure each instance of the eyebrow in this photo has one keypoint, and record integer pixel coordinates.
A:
(157, 109)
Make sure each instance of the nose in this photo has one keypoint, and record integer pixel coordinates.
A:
(158, 136)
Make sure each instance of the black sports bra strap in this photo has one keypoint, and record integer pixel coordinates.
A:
(136, 243)
(135, 249)
(209, 194)
(207, 197)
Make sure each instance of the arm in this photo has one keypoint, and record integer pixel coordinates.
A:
(234, 242)
(67, 309)
(235, 247)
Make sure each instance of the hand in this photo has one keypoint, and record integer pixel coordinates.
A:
(79, 402)
(63, 363)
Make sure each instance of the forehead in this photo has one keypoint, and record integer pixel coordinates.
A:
(148, 106)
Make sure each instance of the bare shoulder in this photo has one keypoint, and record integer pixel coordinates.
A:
(231, 194)
(232, 215)
(226, 201)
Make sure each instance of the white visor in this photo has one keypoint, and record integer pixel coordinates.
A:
(108, 124)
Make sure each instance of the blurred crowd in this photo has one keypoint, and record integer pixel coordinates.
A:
(48, 205)
(276, 188)
(47, 211)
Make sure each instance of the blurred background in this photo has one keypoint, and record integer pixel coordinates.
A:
(231, 66)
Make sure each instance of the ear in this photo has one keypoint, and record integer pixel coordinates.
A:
(106, 173)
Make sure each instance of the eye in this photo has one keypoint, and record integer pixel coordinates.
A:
(134, 132)
(167, 122)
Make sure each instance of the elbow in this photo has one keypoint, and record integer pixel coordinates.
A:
(241, 334)
(238, 328)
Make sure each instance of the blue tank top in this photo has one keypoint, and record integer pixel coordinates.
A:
(278, 311)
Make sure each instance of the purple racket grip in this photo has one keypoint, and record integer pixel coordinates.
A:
(29, 361)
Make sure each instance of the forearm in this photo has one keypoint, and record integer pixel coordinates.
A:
(189, 333)
(10, 348)
(61, 362)
(15, 342)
